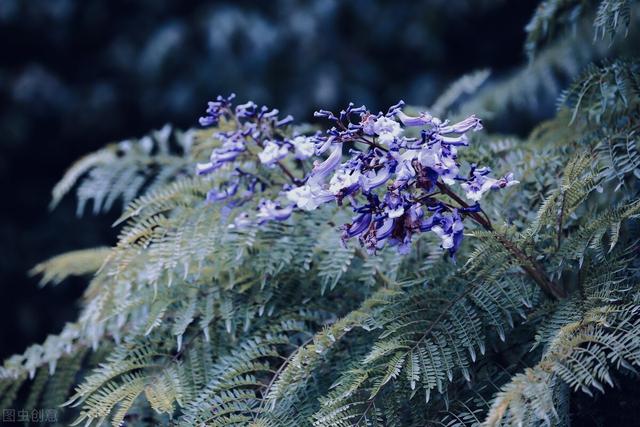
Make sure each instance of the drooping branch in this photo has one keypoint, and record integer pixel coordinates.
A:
(533, 268)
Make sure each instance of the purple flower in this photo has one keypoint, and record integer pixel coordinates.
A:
(206, 168)
(415, 166)
(323, 143)
(470, 123)
(479, 183)
(283, 122)
(393, 110)
(246, 110)
(453, 140)
(325, 114)
(344, 181)
(385, 228)
(394, 204)
(216, 109)
(372, 179)
(367, 123)
(387, 130)
(217, 195)
(252, 125)
(304, 147)
(269, 210)
(309, 196)
(395, 183)
(225, 154)
(441, 159)
(321, 170)
(448, 227)
(505, 181)
(406, 170)
(272, 153)
(360, 225)
(423, 119)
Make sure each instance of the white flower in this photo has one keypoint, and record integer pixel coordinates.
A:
(387, 129)
(445, 165)
(447, 236)
(447, 239)
(269, 210)
(341, 179)
(309, 197)
(204, 168)
(449, 170)
(272, 153)
(405, 170)
(304, 147)
(429, 156)
(474, 191)
(476, 187)
(395, 213)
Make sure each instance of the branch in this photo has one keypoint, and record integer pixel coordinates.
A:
(533, 268)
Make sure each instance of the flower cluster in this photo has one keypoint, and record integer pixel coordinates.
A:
(254, 133)
(395, 179)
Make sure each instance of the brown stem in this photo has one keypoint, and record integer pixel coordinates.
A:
(483, 221)
(533, 268)
(373, 144)
(284, 169)
(288, 173)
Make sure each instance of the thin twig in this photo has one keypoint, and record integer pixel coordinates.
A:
(484, 222)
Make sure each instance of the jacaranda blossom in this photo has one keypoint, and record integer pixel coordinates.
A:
(304, 147)
(273, 152)
(479, 183)
(269, 210)
(395, 179)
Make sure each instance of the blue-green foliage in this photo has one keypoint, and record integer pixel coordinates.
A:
(189, 321)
